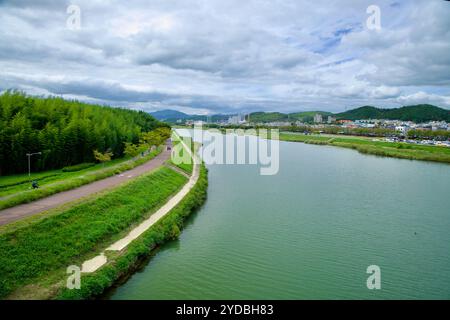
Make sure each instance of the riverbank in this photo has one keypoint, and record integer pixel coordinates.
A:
(126, 261)
(378, 148)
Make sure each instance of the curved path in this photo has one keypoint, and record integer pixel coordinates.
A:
(25, 210)
(95, 263)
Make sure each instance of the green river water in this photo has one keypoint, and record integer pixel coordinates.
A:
(310, 232)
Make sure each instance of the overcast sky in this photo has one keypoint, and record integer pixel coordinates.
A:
(224, 56)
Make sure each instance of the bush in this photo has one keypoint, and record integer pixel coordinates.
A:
(78, 167)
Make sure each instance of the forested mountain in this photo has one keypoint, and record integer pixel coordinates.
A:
(169, 115)
(172, 116)
(267, 116)
(417, 113)
(66, 132)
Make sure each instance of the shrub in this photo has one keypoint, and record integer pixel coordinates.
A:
(78, 167)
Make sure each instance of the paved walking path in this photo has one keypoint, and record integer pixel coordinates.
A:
(95, 263)
(25, 210)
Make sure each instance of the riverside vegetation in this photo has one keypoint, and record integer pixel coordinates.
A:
(372, 146)
(366, 145)
(34, 256)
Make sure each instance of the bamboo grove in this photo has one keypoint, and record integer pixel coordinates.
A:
(65, 132)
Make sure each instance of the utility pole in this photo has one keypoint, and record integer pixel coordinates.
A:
(29, 163)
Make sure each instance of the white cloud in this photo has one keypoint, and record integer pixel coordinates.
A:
(222, 56)
(424, 98)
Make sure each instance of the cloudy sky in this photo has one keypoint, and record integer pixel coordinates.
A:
(216, 56)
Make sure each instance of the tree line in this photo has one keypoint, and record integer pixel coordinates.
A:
(66, 132)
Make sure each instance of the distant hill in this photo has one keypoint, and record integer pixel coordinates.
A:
(417, 113)
(172, 116)
(169, 114)
(267, 116)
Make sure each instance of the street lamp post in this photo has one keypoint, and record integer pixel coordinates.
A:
(29, 163)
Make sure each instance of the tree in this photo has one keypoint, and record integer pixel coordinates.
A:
(156, 137)
(103, 157)
(132, 150)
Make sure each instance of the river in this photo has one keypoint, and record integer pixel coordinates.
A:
(310, 232)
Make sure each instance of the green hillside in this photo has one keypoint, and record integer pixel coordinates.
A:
(416, 113)
(267, 116)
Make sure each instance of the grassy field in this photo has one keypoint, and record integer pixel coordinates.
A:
(380, 148)
(35, 255)
(16, 190)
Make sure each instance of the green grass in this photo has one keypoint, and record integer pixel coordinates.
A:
(14, 190)
(93, 285)
(380, 148)
(78, 167)
(30, 253)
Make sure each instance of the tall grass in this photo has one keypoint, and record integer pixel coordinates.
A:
(60, 240)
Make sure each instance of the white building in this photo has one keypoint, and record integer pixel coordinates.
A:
(237, 119)
(318, 118)
(402, 129)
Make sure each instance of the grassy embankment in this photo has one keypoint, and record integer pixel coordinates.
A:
(379, 148)
(124, 263)
(34, 256)
(16, 190)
